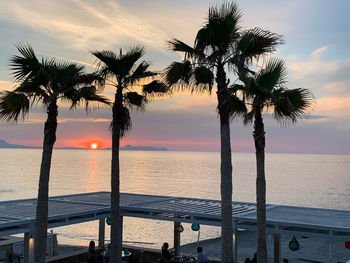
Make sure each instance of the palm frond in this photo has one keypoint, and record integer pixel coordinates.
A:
(128, 60)
(179, 46)
(234, 88)
(273, 75)
(71, 96)
(155, 89)
(292, 104)
(22, 66)
(88, 95)
(203, 39)
(135, 101)
(65, 76)
(92, 78)
(33, 89)
(256, 42)
(106, 61)
(13, 105)
(121, 120)
(140, 73)
(178, 73)
(118, 65)
(221, 29)
(237, 106)
(225, 11)
(203, 78)
(250, 86)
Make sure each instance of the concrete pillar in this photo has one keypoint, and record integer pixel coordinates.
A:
(176, 239)
(276, 248)
(101, 233)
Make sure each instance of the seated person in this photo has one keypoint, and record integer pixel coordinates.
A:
(166, 255)
(94, 256)
(254, 259)
(133, 258)
(202, 256)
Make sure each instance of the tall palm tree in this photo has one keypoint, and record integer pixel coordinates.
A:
(220, 46)
(47, 82)
(121, 71)
(266, 90)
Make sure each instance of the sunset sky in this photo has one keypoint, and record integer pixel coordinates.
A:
(317, 53)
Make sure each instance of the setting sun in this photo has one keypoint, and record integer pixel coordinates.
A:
(94, 146)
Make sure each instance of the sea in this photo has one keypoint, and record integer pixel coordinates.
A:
(311, 180)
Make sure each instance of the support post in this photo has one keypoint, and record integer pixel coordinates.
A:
(176, 239)
(235, 241)
(101, 233)
(26, 247)
(121, 231)
(330, 260)
(31, 249)
(276, 247)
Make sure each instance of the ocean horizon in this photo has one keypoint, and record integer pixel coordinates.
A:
(311, 180)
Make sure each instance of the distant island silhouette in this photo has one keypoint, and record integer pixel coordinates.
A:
(5, 144)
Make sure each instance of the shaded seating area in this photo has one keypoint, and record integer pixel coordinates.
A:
(18, 217)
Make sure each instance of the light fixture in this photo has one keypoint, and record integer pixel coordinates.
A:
(294, 244)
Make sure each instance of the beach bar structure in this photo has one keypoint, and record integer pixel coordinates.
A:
(18, 216)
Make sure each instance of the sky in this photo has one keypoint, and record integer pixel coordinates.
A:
(316, 51)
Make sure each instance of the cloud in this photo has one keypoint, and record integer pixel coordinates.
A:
(6, 85)
(313, 69)
(91, 120)
(318, 52)
(76, 61)
(329, 81)
(184, 100)
(336, 106)
(82, 24)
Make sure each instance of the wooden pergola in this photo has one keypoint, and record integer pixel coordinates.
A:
(18, 216)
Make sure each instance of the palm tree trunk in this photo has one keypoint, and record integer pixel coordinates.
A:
(43, 191)
(116, 228)
(225, 168)
(259, 139)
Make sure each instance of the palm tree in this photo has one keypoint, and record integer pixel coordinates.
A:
(46, 82)
(220, 46)
(122, 72)
(266, 90)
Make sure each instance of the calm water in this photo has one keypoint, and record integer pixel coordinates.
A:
(292, 179)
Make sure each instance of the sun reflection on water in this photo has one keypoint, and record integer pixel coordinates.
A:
(91, 186)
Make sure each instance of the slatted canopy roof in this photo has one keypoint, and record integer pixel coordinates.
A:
(18, 216)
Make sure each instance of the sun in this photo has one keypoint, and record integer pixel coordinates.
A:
(94, 145)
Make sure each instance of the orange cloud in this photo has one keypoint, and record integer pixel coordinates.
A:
(6, 85)
(83, 120)
(186, 100)
(334, 106)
